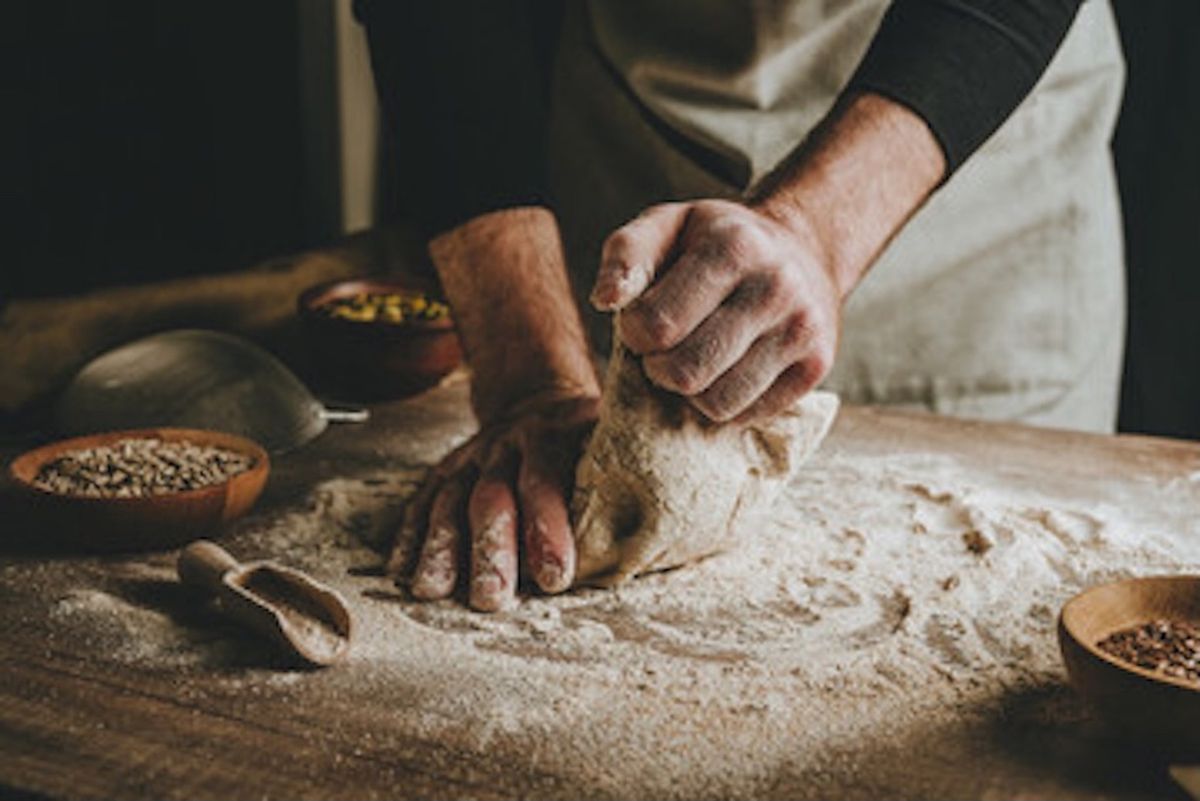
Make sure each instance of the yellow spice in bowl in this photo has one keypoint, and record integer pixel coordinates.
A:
(385, 307)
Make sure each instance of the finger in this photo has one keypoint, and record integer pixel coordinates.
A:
(633, 254)
(791, 385)
(437, 569)
(744, 383)
(716, 345)
(492, 514)
(416, 510)
(542, 486)
(699, 281)
(416, 513)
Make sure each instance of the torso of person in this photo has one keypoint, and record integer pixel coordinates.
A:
(1002, 298)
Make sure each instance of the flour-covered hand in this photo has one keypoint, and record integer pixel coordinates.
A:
(534, 391)
(727, 305)
(510, 480)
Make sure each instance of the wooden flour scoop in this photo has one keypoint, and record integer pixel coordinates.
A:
(305, 617)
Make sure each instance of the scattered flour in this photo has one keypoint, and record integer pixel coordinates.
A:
(884, 599)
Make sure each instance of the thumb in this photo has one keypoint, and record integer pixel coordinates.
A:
(634, 253)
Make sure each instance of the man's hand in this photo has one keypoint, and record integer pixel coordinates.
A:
(737, 306)
(535, 393)
(510, 480)
(727, 305)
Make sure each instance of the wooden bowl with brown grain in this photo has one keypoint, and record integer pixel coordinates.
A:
(376, 359)
(148, 522)
(1143, 704)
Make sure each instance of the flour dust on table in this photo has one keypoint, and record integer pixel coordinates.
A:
(890, 620)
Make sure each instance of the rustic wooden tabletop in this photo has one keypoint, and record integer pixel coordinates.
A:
(86, 711)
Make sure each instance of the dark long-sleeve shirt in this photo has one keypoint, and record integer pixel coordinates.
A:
(464, 86)
(963, 65)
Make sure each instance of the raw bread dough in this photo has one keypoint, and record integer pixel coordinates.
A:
(659, 485)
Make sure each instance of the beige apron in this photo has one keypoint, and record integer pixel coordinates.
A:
(1003, 298)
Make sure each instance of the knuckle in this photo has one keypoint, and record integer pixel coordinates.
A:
(784, 289)
(820, 362)
(715, 266)
(771, 291)
(795, 332)
(710, 209)
(705, 211)
(806, 373)
(660, 210)
(538, 476)
(684, 376)
(727, 246)
(660, 326)
(654, 327)
(751, 236)
(617, 246)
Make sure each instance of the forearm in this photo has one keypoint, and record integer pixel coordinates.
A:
(855, 182)
(940, 77)
(505, 278)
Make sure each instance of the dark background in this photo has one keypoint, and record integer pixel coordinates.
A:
(154, 140)
(157, 139)
(1157, 149)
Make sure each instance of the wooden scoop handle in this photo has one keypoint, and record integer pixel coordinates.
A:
(204, 564)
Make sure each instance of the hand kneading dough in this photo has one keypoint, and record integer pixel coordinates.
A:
(659, 486)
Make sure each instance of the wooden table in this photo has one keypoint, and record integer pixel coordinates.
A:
(80, 723)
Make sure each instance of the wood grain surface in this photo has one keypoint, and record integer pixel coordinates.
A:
(80, 724)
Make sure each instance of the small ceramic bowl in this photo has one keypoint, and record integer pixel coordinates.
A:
(153, 522)
(1140, 703)
(375, 359)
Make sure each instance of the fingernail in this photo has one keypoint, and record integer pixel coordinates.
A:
(550, 576)
(604, 296)
(492, 562)
(616, 289)
(425, 588)
(487, 585)
(435, 575)
(488, 593)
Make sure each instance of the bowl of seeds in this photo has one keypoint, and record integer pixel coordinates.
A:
(142, 489)
(378, 339)
(1132, 649)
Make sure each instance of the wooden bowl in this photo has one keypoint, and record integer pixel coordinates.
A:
(1158, 710)
(148, 523)
(375, 360)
